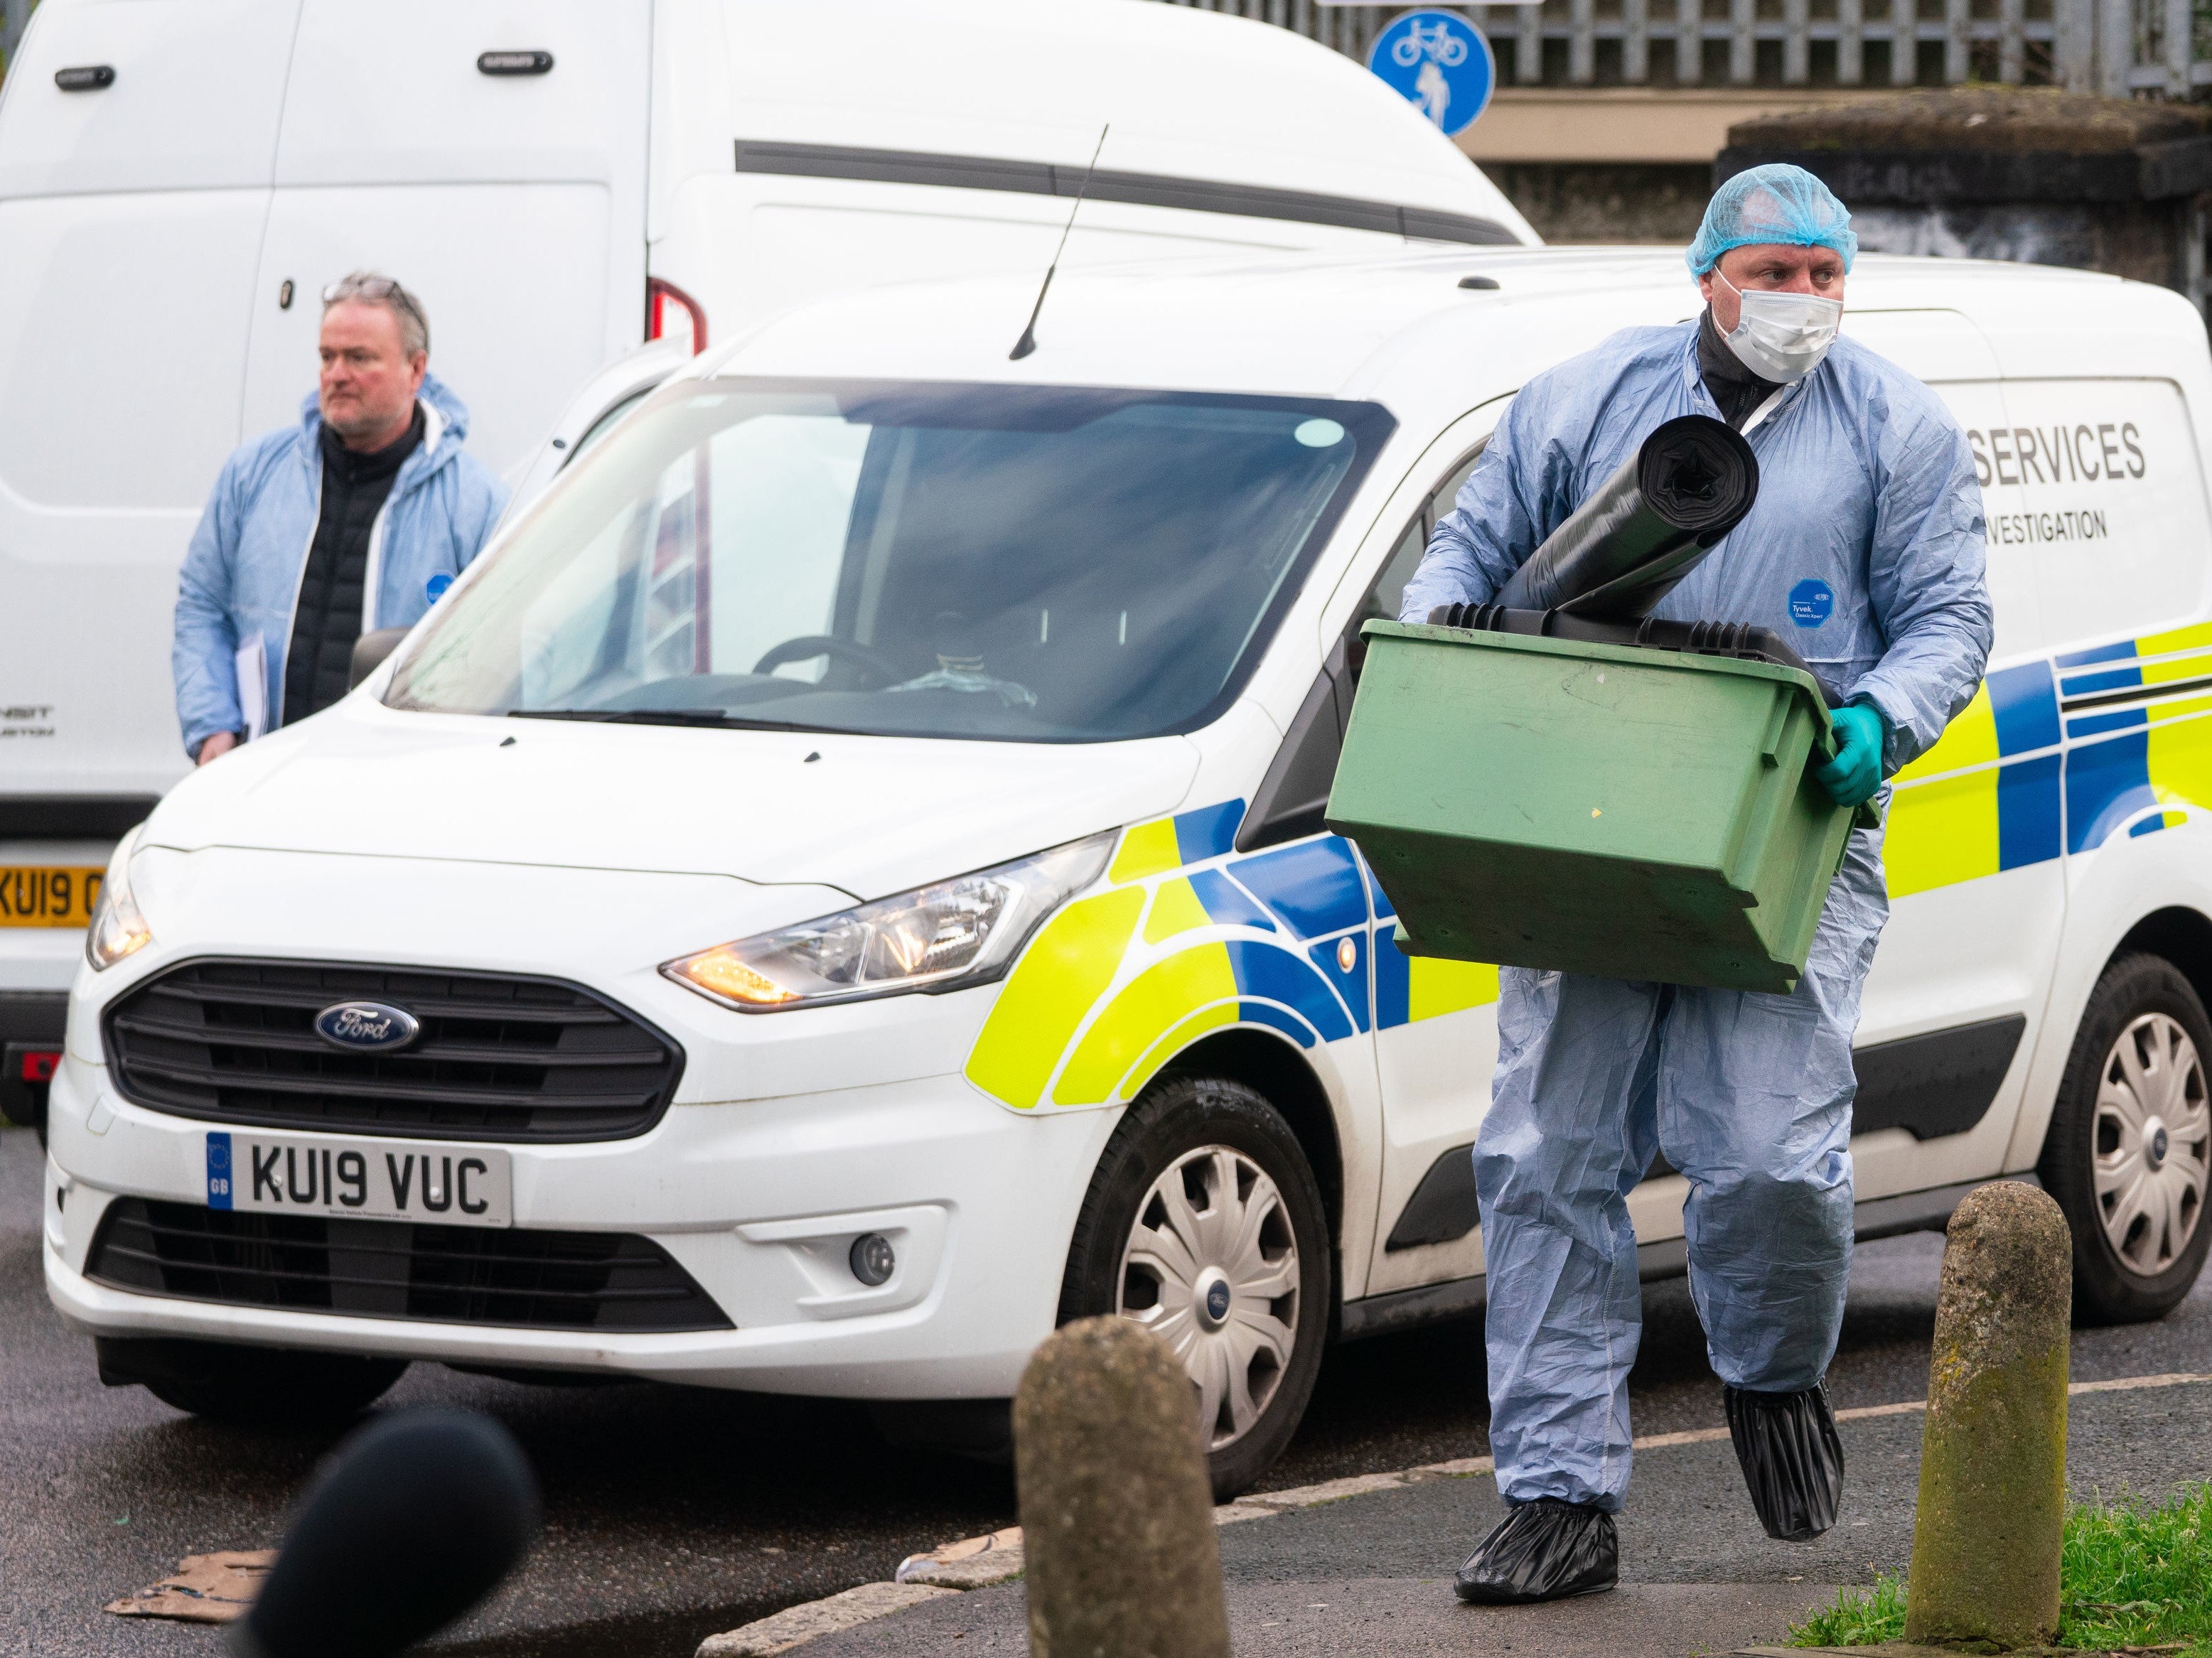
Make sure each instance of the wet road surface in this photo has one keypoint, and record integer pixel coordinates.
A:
(676, 1512)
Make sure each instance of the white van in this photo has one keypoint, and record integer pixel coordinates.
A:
(560, 180)
(840, 887)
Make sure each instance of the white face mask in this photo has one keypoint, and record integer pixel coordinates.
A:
(1782, 336)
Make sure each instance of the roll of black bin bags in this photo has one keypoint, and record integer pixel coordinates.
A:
(1644, 528)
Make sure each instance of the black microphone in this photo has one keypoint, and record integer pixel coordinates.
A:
(416, 1519)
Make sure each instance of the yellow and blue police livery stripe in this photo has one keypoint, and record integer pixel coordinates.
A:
(1277, 1017)
(1227, 904)
(1408, 989)
(1188, 938)
(2123, 669)
(2052, 757)
(1167, 843)
(1344, 965)
(2108, 781)
(1313, 884)
(2138, 748)
(1208, 832)
(1270, 974)
(1987, 796)
(2059, 756)
(2024, 710)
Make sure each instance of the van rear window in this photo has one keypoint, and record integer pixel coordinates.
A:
(1043, 564)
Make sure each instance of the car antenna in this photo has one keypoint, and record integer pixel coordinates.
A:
(1027, 343)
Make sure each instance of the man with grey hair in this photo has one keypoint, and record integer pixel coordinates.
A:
(357, 518)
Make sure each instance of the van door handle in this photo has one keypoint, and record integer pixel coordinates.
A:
(514, 62)
(88, 77)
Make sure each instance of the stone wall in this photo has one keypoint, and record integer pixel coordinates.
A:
(2141, 240)
(1607, 201)
(2047, 177)
(2030, 175)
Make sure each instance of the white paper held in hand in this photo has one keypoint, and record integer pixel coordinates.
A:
(254, 686)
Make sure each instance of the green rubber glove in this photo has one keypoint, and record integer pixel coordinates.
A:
(1855, 774)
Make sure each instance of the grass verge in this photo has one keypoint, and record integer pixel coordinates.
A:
(1860, 1617)
(2132, 1573)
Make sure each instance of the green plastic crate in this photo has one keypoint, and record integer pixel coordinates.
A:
(1602, 808)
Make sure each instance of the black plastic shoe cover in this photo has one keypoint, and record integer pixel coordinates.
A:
(1792, 1460)
(1546, 1550)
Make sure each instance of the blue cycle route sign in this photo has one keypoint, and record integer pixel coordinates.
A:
(1439, 63)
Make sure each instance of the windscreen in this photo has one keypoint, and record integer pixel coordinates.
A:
(1039, 564)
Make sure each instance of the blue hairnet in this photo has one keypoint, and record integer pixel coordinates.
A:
(1770, 205)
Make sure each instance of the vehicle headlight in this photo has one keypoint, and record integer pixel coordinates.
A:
(118, 929)
(941, 937)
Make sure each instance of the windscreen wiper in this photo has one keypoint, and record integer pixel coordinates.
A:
(720, 718)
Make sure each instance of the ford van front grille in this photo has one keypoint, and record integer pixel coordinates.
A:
(398, 1269)
(487, 1056)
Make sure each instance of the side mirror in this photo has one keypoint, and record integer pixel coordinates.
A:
(370, 650)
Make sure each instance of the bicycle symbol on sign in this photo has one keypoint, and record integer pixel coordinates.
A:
(1439, 63)
(1435, 42)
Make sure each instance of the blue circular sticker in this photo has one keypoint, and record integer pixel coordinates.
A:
(1812, 603)
(436, 585)
(1440, 63)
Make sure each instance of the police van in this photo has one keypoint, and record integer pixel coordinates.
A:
(561, 180)
(840, 887)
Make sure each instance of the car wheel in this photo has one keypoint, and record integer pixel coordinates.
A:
(1203, 1224)
(2130, 1141)
(255, 1387)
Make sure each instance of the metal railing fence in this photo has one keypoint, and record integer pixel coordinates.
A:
(2161, 48)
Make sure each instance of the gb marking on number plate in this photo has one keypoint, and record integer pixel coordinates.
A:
(377, 1179)
(218, 1171)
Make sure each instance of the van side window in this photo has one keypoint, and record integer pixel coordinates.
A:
(1290, 800)
(1382, 599)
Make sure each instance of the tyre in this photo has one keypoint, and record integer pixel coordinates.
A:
(2130, 1143)
(1204, 1224)
(255, 1387)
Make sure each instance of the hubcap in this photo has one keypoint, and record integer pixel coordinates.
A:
(1212, 1269)
(2154, 1131)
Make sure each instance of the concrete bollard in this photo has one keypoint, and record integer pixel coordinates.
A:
(1993, 1456)
(1117, 1513)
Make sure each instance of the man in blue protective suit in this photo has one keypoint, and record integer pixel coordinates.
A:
(1864, 550)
